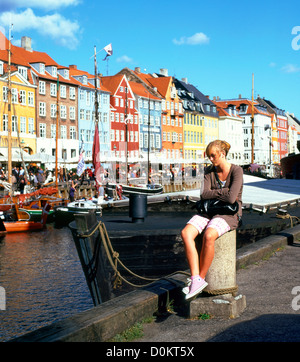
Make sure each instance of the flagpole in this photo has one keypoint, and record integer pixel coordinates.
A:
(56, 132)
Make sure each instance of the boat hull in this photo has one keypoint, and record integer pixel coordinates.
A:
(21, 226)
(144, 190)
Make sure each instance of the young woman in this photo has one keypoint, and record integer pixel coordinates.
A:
(230, 190)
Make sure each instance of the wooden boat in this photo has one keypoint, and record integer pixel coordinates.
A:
(19, 221)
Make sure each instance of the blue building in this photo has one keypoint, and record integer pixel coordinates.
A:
(87, 115)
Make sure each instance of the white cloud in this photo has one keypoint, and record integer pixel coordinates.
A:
(62, 30)
(6, 5)
(196, 39)
(290, 68)
(124, 59)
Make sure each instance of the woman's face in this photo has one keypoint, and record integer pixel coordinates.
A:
(216, 157)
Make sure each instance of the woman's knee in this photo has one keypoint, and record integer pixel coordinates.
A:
(210, 236)
(188, 233)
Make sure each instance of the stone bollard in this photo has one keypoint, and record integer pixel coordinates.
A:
(220, 298)
(221, 276)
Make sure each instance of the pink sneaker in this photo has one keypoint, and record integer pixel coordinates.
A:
(196, 287)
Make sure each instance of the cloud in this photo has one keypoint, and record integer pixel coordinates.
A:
(55, 26)
(7, 5)
(196, 39)
(290, 68)
(124, 59)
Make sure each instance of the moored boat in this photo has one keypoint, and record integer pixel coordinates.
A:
(19, 221)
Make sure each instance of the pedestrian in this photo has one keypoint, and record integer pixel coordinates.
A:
(72, 192)
(228, 190)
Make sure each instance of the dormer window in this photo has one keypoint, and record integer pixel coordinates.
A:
(42, 68)
(66, 73)
(54, 72)
(84, 79)
(1, 68)
(23, 71)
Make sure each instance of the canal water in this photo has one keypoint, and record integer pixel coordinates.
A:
(41, 281)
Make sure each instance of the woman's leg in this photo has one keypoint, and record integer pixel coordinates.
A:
(208, 250)
(189, 234)
(215, 228)
(194, 227)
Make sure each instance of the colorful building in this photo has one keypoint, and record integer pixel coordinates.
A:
(87, 114)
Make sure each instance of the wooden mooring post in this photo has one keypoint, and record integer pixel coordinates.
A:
(92, 256)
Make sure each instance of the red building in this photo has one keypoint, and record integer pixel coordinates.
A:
(124, 118)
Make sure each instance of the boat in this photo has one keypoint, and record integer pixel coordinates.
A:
(135, 189)
(63, 215)
(15, 221)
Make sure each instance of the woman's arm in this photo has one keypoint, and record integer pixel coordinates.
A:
(225, 194)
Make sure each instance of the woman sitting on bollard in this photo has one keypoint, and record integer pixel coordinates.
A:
(222, 181)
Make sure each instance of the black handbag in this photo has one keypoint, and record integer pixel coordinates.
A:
(213, 207)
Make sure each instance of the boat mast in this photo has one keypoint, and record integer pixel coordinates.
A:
(56, 133)
(252, 122)
(126, 136)
(96, 89)
(9, 121)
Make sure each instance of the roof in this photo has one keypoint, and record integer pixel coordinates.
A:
(140, 90)
(197, 96)
(257, 108)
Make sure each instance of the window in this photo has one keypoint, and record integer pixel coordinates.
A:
(23, 124)
(14, 95)
(42, 109)
(42, 87)
(42, 68)
(53, 130)
(63, 132)
(4, 90)
(73, 133)
(14, 123)
(31, 125)
(116, 102)
(23, 71)
(63, 112)
(1, 67)
(72, 113)
(81, 114)
(63, 91)
(23, 97)
(53, 110)
(53, 89)
(5, 123)
(72, 92)
(42, 130)
(31, 99)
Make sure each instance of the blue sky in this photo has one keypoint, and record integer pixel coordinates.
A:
(216, 45)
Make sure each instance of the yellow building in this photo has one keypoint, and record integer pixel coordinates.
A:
(211, 129)
(23, 112)
(193, 135)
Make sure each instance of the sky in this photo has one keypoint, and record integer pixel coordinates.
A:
(217, 45)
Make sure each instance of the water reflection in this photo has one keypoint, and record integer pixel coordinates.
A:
(43, 280)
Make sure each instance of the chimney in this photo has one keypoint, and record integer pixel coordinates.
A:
(164, 72)
(137, 69)
(73, 66)
(26, 43)
(184, 80)
(240, 96)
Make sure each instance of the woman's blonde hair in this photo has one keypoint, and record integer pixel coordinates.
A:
(222, 146)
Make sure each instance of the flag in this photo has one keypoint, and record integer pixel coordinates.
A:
(108, 50)
(81, 164)
(96, 155)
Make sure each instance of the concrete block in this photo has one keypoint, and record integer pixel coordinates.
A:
(225, 306)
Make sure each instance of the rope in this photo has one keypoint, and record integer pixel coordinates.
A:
(232, 291)
(112, 254)
(287, 216)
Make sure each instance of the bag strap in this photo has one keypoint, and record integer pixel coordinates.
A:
(218, 179)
